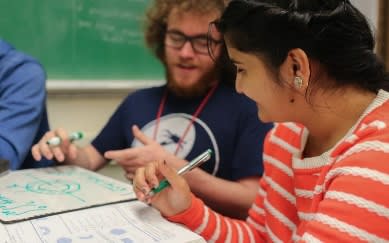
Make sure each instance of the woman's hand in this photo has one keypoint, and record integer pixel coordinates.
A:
(172, 200)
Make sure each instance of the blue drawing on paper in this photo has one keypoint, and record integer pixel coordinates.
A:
(44, 230)
(86, 237)
(64, 240)
(127, 240)
(118, 231)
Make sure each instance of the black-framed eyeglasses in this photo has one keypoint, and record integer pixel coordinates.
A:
(199, 43)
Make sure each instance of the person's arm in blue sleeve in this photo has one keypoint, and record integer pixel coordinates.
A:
(22, 102)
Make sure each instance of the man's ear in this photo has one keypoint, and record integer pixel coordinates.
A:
(296, 69)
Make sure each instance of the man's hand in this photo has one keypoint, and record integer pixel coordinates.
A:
(65, 150)
(132, 158)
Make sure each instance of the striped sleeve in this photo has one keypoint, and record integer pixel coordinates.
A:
(214, 227)
(355, 204)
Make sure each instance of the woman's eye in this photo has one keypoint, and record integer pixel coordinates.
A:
(239, 70)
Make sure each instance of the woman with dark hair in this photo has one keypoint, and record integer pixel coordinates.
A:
(310, 66)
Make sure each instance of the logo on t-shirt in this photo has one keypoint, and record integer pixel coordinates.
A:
(171, 130)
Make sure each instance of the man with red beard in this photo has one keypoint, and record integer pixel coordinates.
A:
(197, 109)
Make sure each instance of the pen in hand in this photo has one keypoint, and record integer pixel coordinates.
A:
(55, 141)
(196, 162)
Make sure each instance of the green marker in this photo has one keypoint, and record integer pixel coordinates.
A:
(55, 141)
(196, 162)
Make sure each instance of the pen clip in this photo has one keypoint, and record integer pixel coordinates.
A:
(196, 162)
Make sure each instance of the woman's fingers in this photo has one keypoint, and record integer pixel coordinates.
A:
(139, 184)
(151, 174)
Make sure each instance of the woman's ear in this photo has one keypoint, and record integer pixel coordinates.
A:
(296, 69)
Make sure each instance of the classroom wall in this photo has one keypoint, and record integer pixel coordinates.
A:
(86, 105)
(368, 8)
(82, 112)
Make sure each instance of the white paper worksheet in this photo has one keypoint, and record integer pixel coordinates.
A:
(128, 222)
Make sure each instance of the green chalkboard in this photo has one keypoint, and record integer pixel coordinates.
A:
(82, 39)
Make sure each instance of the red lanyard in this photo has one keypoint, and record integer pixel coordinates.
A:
(194, 116)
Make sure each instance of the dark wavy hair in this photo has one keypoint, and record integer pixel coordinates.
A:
(156, 26)
(158, 12)
(332, 32)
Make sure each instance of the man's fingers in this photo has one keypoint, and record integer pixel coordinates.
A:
(63, 134)
(58, 154)
(36, 152)
(121, 155)
(42, 148)
(130, 176)
(114, 154)
(72, 152)
(138, 134)
(130, 169)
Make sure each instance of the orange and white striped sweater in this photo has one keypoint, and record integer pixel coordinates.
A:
(339, 196)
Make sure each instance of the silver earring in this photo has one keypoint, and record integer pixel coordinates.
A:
(298, 82)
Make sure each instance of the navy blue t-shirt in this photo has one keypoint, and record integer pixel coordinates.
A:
(228, 124)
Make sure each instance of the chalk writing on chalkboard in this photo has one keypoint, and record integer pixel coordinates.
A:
(82, 39)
